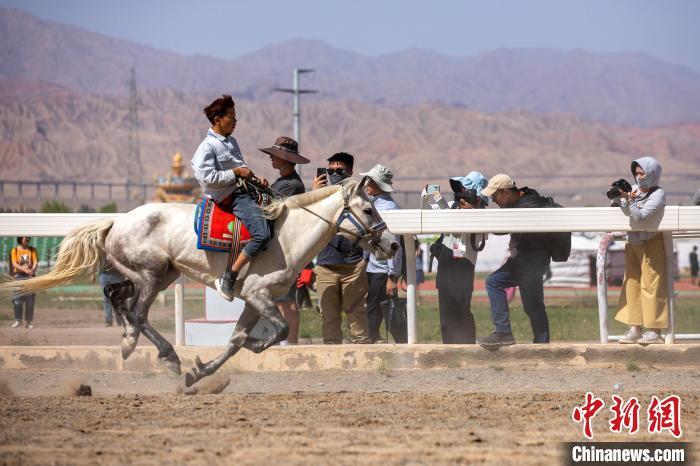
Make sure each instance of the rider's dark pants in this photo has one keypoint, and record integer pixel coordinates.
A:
(23, 304)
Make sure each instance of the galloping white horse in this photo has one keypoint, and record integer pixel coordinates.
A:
(153, 244)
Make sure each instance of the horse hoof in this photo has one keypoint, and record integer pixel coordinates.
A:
(173, 366)
(128, 346)
(190, 378)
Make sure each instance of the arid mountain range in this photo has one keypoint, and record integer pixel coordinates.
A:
(627, 89)
(558, 121)
(62, 135)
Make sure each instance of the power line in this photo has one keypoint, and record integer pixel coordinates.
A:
(296, 111)
(134, 169)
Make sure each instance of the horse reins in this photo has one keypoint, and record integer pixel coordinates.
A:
(369, 234)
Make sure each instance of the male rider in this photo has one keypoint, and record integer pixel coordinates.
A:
(217, 165)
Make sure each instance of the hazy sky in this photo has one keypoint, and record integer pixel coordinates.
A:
(667, 29)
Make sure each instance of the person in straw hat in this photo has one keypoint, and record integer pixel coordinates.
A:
(284, 155)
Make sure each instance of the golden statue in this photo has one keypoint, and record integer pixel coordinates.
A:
(176, 188)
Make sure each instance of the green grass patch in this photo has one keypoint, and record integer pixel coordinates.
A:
(572, 316)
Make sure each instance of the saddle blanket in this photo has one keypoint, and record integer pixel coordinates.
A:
(216, 229)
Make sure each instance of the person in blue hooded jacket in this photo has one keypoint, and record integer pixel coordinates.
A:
(455, 275)
(643, 303)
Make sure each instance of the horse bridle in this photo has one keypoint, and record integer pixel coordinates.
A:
(370, 234)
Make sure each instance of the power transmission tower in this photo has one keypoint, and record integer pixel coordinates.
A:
(134, 170)
(296, 111)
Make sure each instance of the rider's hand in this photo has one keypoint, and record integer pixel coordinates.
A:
(243, 172)
(264, 182)
(319, 182)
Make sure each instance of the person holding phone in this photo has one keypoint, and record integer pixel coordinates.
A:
(341, 277)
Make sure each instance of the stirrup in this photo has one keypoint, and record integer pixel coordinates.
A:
(225, 285)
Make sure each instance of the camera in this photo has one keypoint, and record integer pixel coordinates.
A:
(320, 171)
(618, 187)
(468, 195)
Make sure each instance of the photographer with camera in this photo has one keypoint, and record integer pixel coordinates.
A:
(530, 255)
(455, 274)
(643, 299)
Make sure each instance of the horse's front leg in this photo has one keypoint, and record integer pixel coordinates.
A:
(264, 304)
(239, 339)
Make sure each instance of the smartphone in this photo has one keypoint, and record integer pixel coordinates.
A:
(432, 189)
(320, 171)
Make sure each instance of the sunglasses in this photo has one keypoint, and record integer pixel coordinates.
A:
(337, 171)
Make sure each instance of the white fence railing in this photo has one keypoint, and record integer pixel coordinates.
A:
(415, 221)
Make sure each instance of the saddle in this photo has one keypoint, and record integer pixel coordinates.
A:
(217, 229)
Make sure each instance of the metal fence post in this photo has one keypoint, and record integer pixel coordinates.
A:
(603, 285)
(410, 254)
(180, 311)
(670, 278)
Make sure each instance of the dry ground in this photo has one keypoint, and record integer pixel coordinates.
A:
(494, 415)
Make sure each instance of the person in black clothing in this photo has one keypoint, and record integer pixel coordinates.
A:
(528, 262)
(284, 155)
(341, 275)
(694, 266)
(455, 275)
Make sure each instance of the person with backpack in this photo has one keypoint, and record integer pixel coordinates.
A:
(23, 264)
(530, 256)
(643, 300)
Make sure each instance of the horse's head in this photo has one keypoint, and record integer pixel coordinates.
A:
(360, 222)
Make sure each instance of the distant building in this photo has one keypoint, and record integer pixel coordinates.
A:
(174, 187)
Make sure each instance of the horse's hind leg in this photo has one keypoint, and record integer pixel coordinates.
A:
(138, 317)
(119, 294)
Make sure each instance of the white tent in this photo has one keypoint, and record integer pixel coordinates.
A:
(580, 269)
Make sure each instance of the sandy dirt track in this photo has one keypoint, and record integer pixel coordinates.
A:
(494, 415)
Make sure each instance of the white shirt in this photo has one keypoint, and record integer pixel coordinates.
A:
(213, 163)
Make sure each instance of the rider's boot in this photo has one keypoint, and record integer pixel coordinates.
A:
(225, 284)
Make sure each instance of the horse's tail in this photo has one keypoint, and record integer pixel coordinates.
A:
(80, 253)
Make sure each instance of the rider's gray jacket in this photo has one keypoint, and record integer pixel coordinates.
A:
(213, 163)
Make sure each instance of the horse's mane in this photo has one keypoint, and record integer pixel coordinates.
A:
(276, 208)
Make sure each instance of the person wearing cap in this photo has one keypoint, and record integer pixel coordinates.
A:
(23, 264)
(341, 278)
(528, 262)
(455, 275)
(284, 155)
(382, 275)
(218, 165)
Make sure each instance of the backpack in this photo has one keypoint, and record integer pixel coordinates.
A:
(560, 242)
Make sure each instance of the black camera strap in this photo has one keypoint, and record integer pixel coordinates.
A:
(481, 246)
